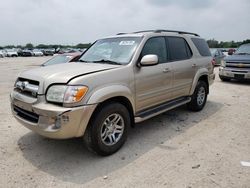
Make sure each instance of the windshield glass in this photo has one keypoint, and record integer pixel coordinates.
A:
(244, 49)
(109, 50)
(58, 59)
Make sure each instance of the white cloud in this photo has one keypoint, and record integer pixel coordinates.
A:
(72, 22)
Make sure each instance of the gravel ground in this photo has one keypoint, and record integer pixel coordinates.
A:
(176, 149)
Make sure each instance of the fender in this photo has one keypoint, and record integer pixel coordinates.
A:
(199, 73)
(111, 91)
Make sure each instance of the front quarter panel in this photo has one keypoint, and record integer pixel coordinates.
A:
(111, 91)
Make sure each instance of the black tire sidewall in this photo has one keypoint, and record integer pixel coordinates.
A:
(193, 105)
(96, 124)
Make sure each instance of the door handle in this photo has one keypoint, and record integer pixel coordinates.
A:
(194, 65)
(166, 70)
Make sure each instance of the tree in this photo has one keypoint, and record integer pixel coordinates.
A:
(80, 45)
(213, 43)
(29, 46)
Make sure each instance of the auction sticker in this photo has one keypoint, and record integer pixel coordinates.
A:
(127, 43)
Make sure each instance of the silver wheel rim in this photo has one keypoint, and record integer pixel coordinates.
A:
(112, 129)
(201, 96)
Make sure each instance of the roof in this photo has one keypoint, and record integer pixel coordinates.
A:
(151, 32)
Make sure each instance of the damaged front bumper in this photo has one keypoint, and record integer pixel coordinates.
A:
(50, 120)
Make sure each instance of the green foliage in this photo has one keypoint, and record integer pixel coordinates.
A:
(9, 46)
(53, 46)
(80, 45)
(29, 46)
(212, 43)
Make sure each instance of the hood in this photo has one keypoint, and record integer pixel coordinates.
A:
(237, 58)
(62, 73)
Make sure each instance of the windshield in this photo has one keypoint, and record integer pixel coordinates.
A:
(244, 49)
(58, 59)
(119, 50)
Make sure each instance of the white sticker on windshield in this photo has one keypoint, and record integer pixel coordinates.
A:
(127, 43)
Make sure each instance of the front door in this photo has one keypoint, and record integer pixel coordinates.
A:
(153, 83)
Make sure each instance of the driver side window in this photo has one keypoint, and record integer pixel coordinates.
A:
(156, 46)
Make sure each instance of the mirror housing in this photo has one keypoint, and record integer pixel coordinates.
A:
(149, 60)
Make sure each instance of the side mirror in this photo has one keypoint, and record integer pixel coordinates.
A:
(149, 60)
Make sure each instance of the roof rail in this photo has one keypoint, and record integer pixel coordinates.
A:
(174, 31)
(162, 30)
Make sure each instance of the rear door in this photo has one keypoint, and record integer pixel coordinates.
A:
(183, 65)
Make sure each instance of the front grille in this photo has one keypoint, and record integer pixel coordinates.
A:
(27, 115)
(27, 87)
(238, 65)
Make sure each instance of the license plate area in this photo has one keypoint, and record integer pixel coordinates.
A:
(239, 76)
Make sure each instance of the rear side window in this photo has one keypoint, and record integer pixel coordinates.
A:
(156, 46)
(178, 49)
(202, 46)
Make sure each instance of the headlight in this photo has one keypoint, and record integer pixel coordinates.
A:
(66, 94)
(223, 63)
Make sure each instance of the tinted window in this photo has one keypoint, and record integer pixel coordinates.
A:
(178, 48)
(202, 46)
(156, 46)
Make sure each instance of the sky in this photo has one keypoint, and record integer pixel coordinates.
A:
(83, 21)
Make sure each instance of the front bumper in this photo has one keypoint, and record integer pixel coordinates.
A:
(50, 120)
(239, 74)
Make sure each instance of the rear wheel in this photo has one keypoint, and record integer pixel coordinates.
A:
(199, 98)
(107, 130)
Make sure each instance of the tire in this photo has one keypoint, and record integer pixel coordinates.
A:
(199, 97)
(107, 138)
(224, 79)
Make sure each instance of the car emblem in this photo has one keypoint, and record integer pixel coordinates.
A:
(24, 85)
(240, 65)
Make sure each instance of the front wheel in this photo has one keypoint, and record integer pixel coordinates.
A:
(199, 97)
(107, 130)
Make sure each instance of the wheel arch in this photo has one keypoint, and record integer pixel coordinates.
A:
(200, 75)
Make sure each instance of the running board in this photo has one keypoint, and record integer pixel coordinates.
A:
(146, 114)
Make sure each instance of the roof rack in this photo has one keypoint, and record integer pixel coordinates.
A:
(162, 30)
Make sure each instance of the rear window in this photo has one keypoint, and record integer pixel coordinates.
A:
(202, 46)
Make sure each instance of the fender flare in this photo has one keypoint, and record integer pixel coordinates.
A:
(108, 92)
(201, 72)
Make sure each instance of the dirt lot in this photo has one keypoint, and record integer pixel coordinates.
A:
(176, 149)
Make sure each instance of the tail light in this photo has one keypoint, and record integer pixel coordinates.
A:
(213, 62)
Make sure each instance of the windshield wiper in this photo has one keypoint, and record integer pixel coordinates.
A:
(80, 60)
(107, 61)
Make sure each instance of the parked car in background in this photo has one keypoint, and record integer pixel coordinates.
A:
(236, 66)
(27, 53)
(1, 53)
(218, 55)
(63, 58)
(48, 52)
(37, 52)
(11, 53)
(231, 51)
